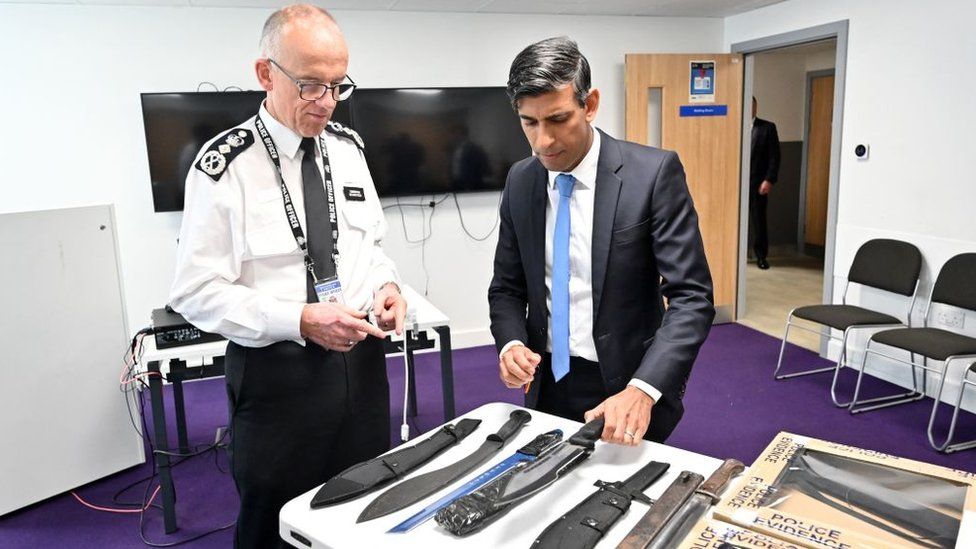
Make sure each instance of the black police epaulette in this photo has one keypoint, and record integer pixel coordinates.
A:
(348, 133)
(223, 150)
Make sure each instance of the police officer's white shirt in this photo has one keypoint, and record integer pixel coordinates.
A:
(581, 205)
(239, 270)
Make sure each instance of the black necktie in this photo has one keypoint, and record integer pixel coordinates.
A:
(318, 230)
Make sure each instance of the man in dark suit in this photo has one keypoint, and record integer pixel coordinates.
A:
(594, 232)
(763, 172)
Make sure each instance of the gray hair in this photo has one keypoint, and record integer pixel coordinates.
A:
(271, 34)
(547, 66)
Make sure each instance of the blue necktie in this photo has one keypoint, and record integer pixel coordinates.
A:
(560, 279)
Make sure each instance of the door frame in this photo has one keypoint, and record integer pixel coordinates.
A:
(801, 233)
(837, 30)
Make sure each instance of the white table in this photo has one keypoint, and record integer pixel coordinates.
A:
(178, 364)
(336, 526)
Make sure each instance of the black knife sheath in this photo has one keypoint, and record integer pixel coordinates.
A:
(584, 525)
(369, 475)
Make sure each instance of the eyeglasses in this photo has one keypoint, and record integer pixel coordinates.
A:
(313, 91)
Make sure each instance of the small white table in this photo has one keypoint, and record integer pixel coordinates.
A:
(188, 362)
(336, 526)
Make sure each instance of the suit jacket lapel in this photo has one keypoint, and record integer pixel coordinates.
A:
(536, 269)
(604, 210)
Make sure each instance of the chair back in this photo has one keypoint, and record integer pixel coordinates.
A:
(890, 265)
(956, 283)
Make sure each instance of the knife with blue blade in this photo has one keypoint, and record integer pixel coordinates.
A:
(417, 488)
(526, 454)
(549, 468)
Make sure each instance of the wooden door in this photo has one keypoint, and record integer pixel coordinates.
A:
(706, 135)
(818, 159)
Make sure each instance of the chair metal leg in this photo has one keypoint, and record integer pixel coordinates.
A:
(947, 445)
(841, 361)
(882, 401)
(782, 348)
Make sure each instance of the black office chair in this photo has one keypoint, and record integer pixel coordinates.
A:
(890, 265)
(955, 287)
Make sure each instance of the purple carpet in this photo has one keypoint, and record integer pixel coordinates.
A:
(733, 409)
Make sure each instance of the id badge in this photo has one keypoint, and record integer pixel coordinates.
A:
(329, 290)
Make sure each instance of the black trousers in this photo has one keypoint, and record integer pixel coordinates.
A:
(582, 389)
(757, 213)
(298, 416)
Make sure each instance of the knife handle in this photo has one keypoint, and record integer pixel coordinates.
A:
(516, 420)
(716, 483)
(589, 434)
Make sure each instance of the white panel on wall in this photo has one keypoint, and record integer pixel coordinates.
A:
(62, 415)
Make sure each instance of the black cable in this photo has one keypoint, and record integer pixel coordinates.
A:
(200, 85)
(143, 434)
(229, 88)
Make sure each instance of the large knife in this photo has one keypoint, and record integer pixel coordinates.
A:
(704, 497)
(417, 488)
(367, 476)
(525, 454)
(664, 508)
(548, 469)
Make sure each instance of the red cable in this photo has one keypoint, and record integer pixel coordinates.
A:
(112, 510)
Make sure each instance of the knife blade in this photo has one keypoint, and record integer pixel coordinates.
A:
(547, 470)
(662, 511)
(526, 454)
(704, 497)
(369, 475)
(417, 488)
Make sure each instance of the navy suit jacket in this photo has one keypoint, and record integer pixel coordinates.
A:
(646, 246)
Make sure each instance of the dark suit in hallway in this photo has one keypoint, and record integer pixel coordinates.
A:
(764, 167)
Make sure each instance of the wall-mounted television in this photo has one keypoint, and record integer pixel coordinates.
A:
(418, 141)
(438, 140)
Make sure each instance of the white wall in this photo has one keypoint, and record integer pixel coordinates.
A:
(908, 77)
(780, 86)
(81, 141)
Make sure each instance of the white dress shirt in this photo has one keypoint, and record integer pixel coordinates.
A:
(581, 312)
(239, 270)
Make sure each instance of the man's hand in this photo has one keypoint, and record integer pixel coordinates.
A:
(765, 187)
(389, 308)
(336, 326)
(517, 366)
(627, 415)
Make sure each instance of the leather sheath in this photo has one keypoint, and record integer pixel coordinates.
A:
(369, 475)
(584, 525)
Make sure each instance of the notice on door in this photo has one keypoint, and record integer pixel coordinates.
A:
(702, 82)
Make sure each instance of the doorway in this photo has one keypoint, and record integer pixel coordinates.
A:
(797, 80)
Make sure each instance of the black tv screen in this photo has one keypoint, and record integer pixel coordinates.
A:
(178, 124)
(418, 141)
(438, 140)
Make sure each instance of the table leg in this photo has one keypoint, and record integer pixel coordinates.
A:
(162, 460)
(177, 369)
(447, 371)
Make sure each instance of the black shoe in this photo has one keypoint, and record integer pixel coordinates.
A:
(762, 263)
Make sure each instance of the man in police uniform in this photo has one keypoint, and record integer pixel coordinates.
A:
(280, 253)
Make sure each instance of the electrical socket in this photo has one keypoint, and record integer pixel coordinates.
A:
(952, 318)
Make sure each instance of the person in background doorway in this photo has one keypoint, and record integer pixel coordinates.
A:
(762, 176)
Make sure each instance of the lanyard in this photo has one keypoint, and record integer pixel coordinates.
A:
(296, 227)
